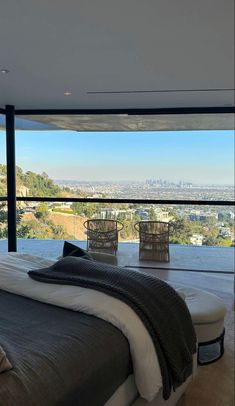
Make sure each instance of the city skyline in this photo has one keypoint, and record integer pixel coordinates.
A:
(165, 183)
(199, 157)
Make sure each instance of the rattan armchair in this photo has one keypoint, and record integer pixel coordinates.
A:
(154, 240)
(102, 235)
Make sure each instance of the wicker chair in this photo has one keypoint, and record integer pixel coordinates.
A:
(102, 235)
(154, 240)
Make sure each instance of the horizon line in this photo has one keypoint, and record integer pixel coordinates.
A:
(140, 181)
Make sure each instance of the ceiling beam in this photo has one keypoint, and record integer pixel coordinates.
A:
(157, 111)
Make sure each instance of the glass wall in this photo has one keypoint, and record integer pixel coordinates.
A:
(194, 161)
(178, 157)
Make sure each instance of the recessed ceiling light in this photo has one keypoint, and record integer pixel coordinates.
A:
(67, 93)
(5, 71)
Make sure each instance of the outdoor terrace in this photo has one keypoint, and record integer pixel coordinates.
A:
(209, 268)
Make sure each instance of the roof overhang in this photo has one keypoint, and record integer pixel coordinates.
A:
(117, 54)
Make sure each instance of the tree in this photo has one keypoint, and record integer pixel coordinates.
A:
(42, 212)
(180, 231)
(4, 219)
(152, 214)
(24, 231)
(58, 232)
(84, 209)
(210, 240)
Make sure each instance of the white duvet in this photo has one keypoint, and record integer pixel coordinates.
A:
(14, 279)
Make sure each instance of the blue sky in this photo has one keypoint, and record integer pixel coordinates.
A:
(197, 156)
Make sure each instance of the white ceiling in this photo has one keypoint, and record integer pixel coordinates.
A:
(153, 53)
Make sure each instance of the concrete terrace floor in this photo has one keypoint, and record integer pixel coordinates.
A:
(204, 258)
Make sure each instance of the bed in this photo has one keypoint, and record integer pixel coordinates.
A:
(87, 356)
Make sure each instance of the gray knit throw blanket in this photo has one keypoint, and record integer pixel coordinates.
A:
(163, 312)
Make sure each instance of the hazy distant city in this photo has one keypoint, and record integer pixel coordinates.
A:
(193, 224)
(149, 189)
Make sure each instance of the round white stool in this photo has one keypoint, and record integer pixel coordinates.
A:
(207, 311)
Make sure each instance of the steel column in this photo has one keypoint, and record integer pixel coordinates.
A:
(11, 177)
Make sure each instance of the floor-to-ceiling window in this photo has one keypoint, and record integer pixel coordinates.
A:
(168, 157)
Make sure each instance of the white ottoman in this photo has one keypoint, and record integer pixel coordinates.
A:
(207, 312)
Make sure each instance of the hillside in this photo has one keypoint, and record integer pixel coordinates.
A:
(41, 223)
(35, 184)
(71, 225)
(3, 177)
(30, 183)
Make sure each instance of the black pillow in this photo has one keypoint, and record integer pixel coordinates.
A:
(75, 251)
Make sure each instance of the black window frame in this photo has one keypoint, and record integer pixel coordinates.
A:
(10, 112)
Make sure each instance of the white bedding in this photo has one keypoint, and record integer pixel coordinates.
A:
(14, 279)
